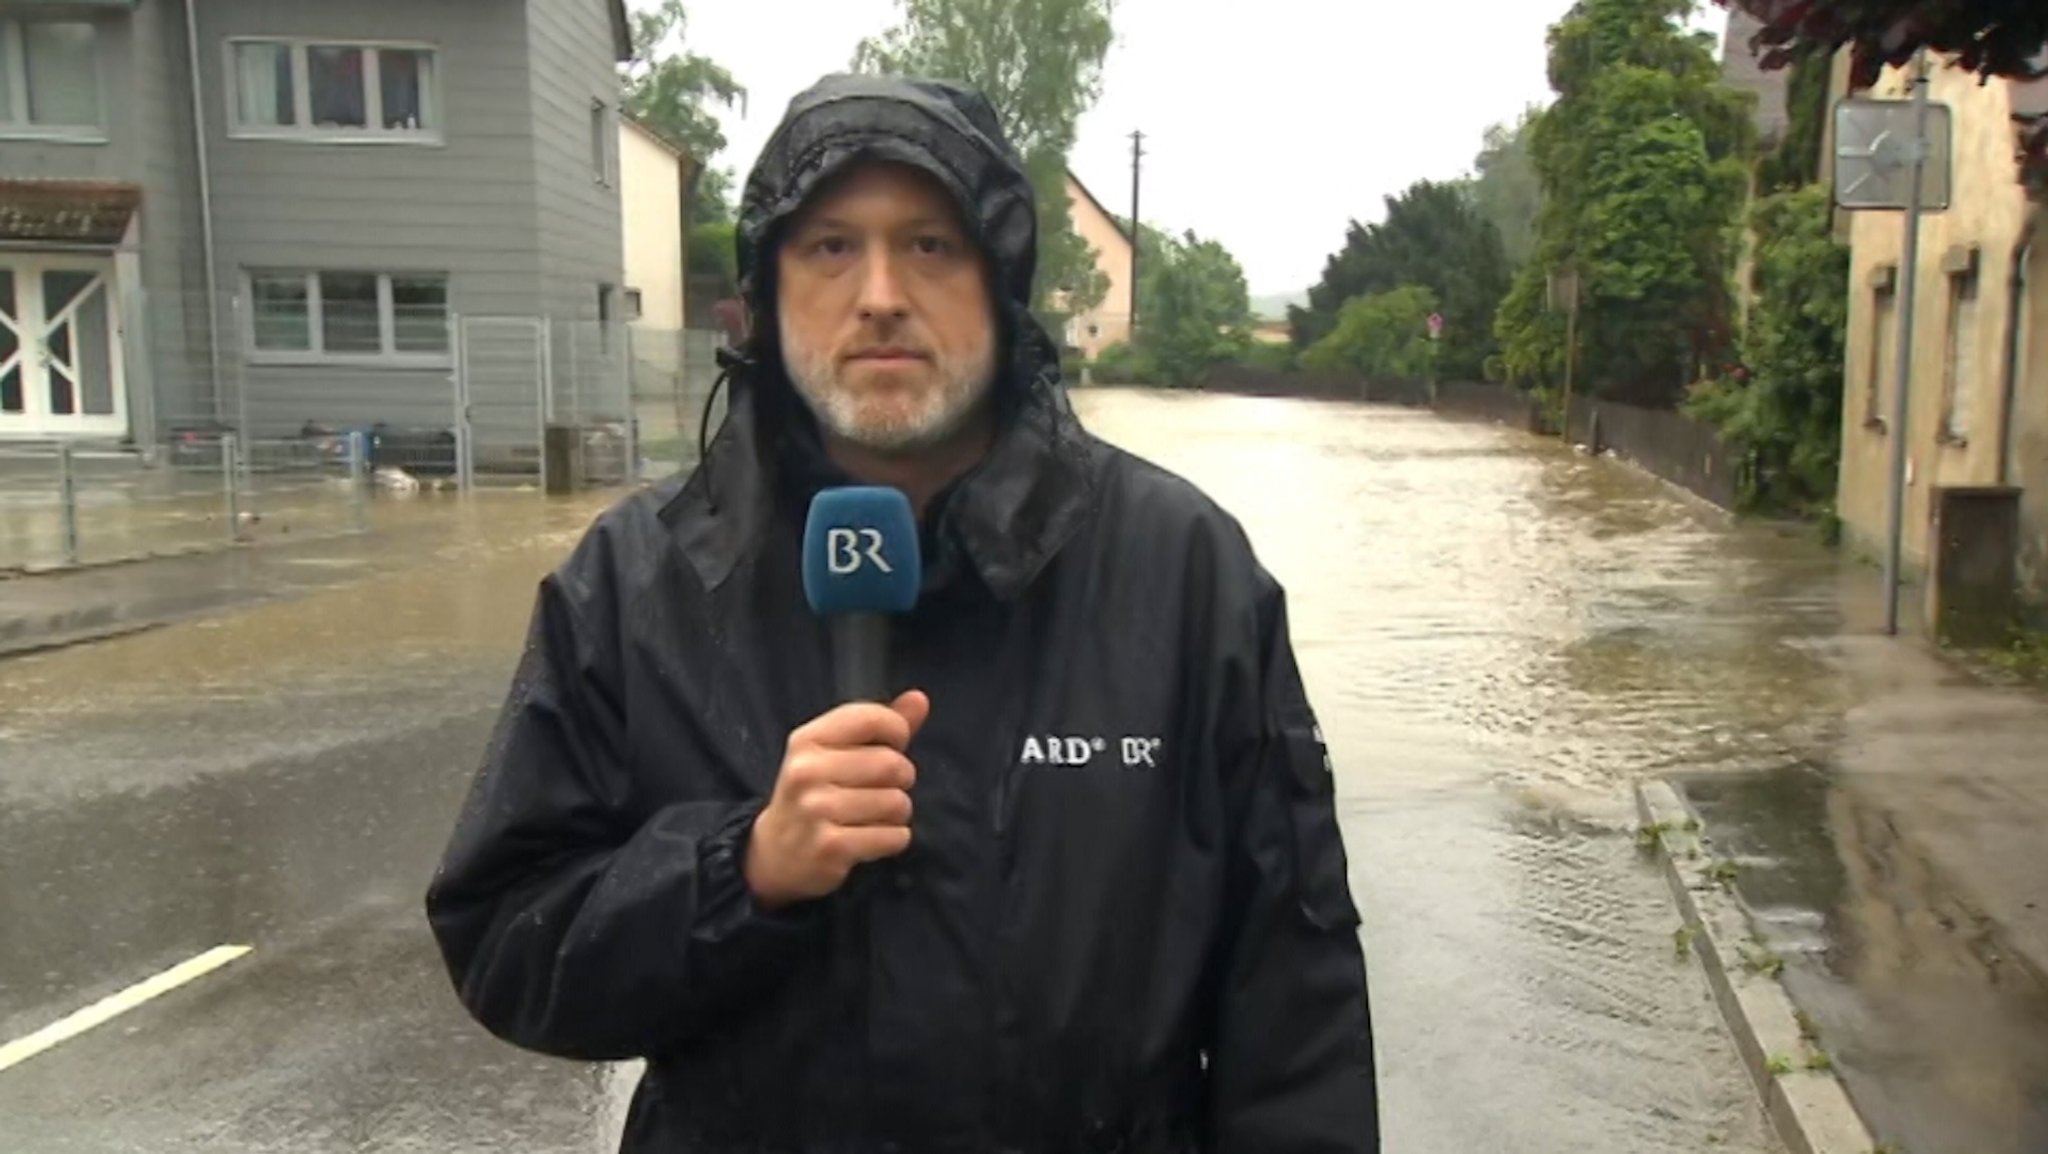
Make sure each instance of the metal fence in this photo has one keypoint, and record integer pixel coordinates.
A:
(64, 504)
(504, 370)
(444, 398)
(670, 373)
(1686, 452)
(533, 395)
(436, 399)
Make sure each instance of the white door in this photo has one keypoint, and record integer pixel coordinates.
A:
(60, 351)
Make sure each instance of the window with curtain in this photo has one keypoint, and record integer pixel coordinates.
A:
(281, 311)
(50, 76)
(263, 85)
(334, 81)
(322, 90)
(405, 79)
(348, 315)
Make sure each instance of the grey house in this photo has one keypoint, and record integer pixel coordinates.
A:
(254, 214)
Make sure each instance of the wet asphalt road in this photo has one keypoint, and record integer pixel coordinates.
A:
(281, 778)
(1500, 637)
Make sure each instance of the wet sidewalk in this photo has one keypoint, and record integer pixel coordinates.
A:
(1961, 767)
(1896, 880)
(52, 610)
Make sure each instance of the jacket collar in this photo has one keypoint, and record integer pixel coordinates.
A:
(1005, 519)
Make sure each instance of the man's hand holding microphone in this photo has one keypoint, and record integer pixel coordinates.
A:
(842, 796)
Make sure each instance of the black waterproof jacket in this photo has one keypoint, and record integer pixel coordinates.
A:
(1124, 923)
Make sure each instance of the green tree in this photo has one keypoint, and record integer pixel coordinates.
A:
(1435, 236)
(1644, 159)
(1039, 62)
(1124, 363)
(1994, 37)
(671, 90)
(713, 200)
(1382, 335)
(1785, 406)
(713, 254)
(1194, 310)
(1506, 188)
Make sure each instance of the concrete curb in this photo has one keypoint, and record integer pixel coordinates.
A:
(1805, 1099)
(50, 638)
(40, 631)
(13, 572)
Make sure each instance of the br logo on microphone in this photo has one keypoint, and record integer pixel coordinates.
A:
(848, 549)
(861, 552)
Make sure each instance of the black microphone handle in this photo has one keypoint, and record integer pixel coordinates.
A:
(860, 657)
(860, 672)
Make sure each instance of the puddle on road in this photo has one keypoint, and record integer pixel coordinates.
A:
(1941, 1039)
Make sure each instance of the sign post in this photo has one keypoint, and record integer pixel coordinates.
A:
(1896, 155)
(1436, 335)
(1564, 296)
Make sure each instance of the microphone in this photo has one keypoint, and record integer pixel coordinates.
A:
(861, 566)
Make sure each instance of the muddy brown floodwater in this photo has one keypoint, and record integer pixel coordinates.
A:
(1501, 636)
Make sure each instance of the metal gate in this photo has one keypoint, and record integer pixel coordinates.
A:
(504, 383)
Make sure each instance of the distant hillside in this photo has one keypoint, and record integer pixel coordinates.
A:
(1274, 305)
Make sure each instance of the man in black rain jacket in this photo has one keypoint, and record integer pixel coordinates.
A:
(1081, 889)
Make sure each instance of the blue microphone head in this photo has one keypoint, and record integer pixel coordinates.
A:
(861, 552)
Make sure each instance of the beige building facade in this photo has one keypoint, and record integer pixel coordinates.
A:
(655, 191)
(1109, 322)
(1978, 383)
(654, 196)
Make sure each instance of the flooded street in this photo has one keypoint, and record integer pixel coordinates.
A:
(1500, 635)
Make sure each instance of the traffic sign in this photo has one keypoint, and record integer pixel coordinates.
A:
(1875, 145)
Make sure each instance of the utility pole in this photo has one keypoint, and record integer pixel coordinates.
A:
(1909, 278)
(1137, 229)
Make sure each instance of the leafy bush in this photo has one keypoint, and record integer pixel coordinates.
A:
(1123, 364)
(1267, 358)
(1784, 403)
(1379, 335)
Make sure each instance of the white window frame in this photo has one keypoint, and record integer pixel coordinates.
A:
(1959, 358)
(1884, 336)
(305, 131)
(14, 49)
(316, 354)
(604, 132)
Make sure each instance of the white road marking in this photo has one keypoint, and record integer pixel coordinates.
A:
(112, 1006)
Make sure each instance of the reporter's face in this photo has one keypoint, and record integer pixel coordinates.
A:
(884, 310)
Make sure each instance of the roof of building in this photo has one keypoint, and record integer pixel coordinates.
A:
(622, 31)
(657, 136)
(1115, 221)
(66, 212)
(1742, 68)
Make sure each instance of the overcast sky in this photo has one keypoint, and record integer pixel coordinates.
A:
(1268, 124)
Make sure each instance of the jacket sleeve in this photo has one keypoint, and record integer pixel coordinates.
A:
(1291, 1064)
(574, 920)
